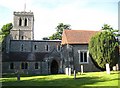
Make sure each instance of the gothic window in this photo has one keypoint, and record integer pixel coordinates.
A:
(25, 22)
(46, 47)
(11, 65)
(20, 22)
(36, 65)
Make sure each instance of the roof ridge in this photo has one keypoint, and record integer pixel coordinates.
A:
(82, 30)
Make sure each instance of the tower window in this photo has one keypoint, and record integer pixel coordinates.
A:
(11, 65)
(20, 22)
(36, 65)
(25, 22)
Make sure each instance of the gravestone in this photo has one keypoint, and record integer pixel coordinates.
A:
(69, 71)
(117, 67)
(81, 68)
(66, 71)
(114, 68)
(107, 69)
(74, 74)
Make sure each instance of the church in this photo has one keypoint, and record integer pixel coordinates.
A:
(28, 56)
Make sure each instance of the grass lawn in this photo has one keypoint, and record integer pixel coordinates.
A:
(90, 79)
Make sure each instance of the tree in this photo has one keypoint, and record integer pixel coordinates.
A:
(5, 30)
(58, 34)
(103, 47)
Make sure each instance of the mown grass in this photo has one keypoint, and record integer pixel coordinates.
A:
(90, 79)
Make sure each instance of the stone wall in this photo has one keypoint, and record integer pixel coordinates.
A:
(72, 50)
(42, 68)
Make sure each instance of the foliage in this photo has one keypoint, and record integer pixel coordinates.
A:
(103, 48)
(89, 79)
(5, 30)
(59, 31)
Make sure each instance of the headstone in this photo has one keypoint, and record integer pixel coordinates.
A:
(114, 68)
(66, 71)
(107, 69)
(81, 68)
(69, 71)
(74, 74)
(117, 67)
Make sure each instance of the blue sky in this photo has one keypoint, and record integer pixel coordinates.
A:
(80, 14)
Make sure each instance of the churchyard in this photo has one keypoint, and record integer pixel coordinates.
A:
(87, 80)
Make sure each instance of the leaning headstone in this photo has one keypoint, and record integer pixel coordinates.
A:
(74, 74)
(107, 69)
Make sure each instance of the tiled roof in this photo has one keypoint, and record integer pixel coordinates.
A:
(77, 36)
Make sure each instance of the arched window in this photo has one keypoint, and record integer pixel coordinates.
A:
(11, 65)
(20, 22)
(36, 65)
(25, 22)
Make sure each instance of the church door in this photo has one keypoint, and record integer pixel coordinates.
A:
(54, 67)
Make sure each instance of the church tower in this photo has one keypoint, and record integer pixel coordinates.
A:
(23, 26)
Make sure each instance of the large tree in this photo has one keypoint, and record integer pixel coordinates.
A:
(59, 31)
(103, 47)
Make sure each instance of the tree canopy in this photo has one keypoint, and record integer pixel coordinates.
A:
(5, 30)
(103, 47)
(59, 31)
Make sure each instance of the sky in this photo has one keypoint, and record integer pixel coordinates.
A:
(80, 14)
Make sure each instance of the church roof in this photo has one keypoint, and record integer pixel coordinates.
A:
(77, 36)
